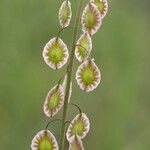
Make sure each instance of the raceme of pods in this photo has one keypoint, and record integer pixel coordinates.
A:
(88, 75)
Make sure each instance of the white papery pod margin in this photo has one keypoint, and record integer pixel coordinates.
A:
(64, 86)
(77, 55)
(77, 141)
(47, 111)
(97, 75)
(46, 50)
(86, 122)
(39, 136)
(93, 7)
(105, 10)
(70, 14)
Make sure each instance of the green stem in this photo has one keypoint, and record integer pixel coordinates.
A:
(69, 74)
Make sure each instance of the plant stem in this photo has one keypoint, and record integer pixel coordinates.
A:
(69, 74)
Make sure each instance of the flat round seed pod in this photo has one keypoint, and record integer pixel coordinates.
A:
(80, 126)
(44, 140)
(65, 14)
(64, 86)
(88, 76)
(102, 6)
(54, 101)
(91, 19)
(76, 143)
(55, 53)
(84, 47)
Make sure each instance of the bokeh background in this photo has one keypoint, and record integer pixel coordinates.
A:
(119, 110)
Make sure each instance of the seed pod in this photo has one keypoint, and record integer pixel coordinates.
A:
(54, 101)
(88, 76)
(44, 140)
(76, 143)
(84, 47)
(55, 53)
(65, 85)
(102, 6)
(91, 19)
(65, 14)
(80, 126)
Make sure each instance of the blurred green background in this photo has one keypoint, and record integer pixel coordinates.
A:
(119, 110)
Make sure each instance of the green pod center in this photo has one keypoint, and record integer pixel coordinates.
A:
(54, 100)
(100, 5)
(56, 53)
(64, 14)
(87, 75)
(45, 144)
(78, 128)
(90, 18)
(83, 49)
(74, 146)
